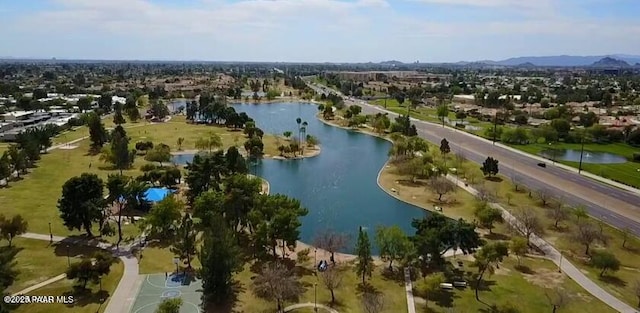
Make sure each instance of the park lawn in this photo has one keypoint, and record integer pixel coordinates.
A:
(626, 173)
(35, 196)
(82, 304)
(3, 147)
(156, 259)
(622, 283)
(525, 290)
(38, 261)
(458, 204)
(347, 295)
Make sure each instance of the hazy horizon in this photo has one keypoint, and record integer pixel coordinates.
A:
(317, 31)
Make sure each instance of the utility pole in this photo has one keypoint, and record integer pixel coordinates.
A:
(581, 153)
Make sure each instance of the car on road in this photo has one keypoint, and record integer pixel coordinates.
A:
(542, 164)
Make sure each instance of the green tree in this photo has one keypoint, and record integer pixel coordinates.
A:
(90, 269)
(118, 119)
(82, 202)
(487, 215)
(119, 153)
(241, 193)
(160, 153)
(5, 168)
(184, 244)
(170, 305)
(161, 221)
(393, 243)
(364, 267)
(443, 112)
(117, 186)
(220, 258)
(236, 163)
(84, 104)
(519, 247)
(437, 234)
(604, 261)
(105, 102)
(444, 147)
(97, 133)
(430, 285)
(276, 218)
(487, 258)
(205, 172)
(490, 167)
(13, 227)
(17, 160)
(209, 143)
(159, 109)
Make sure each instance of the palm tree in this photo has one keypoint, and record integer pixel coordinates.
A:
(298, 121)
(303, 130)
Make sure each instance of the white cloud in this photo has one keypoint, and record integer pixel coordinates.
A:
(300, 29)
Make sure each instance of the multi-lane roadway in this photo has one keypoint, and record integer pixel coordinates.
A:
(615, 206)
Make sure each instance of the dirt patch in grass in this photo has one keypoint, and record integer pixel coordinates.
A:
(545, 278)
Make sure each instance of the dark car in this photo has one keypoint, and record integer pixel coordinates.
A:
(542, 164)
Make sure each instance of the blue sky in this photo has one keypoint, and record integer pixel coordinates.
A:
(317, 30)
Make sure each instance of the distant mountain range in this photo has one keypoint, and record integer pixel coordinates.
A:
(615, 60)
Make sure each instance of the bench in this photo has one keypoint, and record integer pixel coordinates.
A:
(460, 283)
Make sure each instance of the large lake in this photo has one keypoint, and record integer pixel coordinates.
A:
(339, 187)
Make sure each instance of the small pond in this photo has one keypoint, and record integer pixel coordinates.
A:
(588, 156)
(182, 158)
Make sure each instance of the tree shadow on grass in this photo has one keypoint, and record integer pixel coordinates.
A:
(366, 288)
(496, 236)
(443, 298)
(524, 269)
(614, 280)
(495, 179)
(75, 246)
(409, 183)
(83, 297)
(395, 275)
(228, 306)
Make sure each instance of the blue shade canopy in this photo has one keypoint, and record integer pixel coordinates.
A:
(154, 194)
(157, 194)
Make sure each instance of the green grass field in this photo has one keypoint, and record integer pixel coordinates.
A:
(626, 173)
(347, 295)
(524, 288)
(35, 196)
(38, 261)
(85, 303)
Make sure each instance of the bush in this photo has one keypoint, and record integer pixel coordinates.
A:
(636, 156)
(148, 167)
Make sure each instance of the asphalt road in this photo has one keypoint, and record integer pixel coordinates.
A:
(615, 206)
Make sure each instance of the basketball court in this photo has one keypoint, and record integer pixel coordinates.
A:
(156, 288)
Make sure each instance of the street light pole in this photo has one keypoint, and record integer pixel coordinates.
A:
(581, 153)
(560, 264)
(315, 261)
(68, 259)
(315, 297)
(50, 234)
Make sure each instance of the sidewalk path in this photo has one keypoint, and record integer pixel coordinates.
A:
(554, 255)
(411, 306)
(122, 298)
(40, 285)
(309, 305)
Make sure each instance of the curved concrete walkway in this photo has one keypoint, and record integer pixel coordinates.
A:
(309, 305)
(122, 298)
(554, 255)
